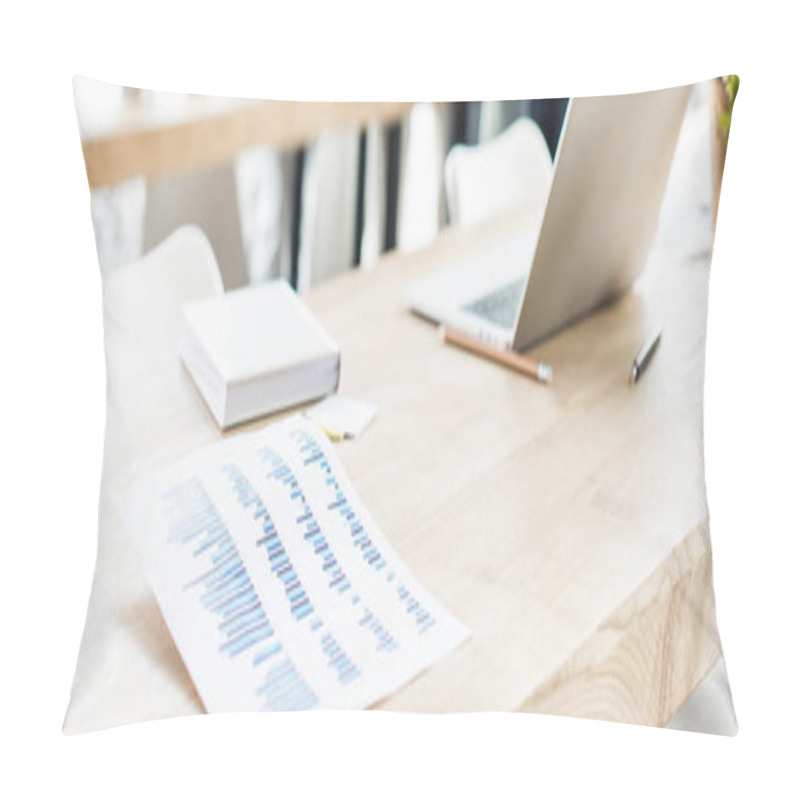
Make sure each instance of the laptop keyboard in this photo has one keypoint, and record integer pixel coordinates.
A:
(501, 305)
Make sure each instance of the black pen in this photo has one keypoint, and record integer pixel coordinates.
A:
(644, 355)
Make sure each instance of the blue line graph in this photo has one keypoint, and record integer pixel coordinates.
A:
(279, 562)
(338, 580)
(314, 455)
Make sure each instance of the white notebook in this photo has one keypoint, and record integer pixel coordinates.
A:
(257, 350)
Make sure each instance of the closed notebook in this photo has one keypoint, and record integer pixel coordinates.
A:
(255, 351)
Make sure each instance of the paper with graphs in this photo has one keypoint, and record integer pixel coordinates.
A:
(279, 589)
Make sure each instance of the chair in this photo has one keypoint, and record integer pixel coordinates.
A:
(206, 198)
(483, 180)
(143, 307)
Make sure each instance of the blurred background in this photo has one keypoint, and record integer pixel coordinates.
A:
(303, 191)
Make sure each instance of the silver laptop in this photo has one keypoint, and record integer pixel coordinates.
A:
(590, 244)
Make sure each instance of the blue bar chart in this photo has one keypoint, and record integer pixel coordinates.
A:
(224, 589)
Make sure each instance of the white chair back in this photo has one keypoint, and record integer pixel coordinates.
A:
(514, 168)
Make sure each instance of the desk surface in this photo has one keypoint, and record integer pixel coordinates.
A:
(565, 525)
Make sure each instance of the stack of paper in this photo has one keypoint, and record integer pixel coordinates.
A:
(255, 351)
(279, 589)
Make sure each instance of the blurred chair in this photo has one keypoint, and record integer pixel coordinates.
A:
(206, 198)
(483, 180)
(264, 183)
(143, 306)
(328, 206)
(421, 202)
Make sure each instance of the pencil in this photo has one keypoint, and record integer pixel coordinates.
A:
(508, 358)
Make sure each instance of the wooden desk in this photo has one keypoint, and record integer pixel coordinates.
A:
(565, 525)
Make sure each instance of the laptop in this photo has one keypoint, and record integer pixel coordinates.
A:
(592, 239)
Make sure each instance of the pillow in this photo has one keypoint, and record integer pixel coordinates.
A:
(523, 525)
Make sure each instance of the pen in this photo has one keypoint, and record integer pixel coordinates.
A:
(508, 358)
(644, 355)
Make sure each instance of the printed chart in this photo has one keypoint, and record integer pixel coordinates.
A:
(279, 590)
